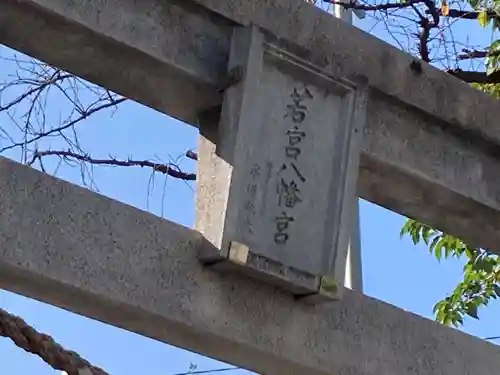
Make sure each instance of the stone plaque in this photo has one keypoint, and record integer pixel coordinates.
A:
(289, 136)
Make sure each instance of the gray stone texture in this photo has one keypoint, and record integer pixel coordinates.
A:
(67, 246)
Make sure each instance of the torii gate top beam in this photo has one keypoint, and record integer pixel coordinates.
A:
(193, 37)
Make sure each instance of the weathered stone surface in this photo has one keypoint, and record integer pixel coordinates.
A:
(78, 250)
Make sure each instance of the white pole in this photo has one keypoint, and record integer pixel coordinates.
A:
(342, 13)
(353, 270)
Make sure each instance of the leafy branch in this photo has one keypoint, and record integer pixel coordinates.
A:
(481, 273)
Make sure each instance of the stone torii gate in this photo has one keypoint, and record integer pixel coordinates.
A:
(280, 91)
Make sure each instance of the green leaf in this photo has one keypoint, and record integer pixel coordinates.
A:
(474, 288)
(406, 228)
(415, 237)
(437, 306)
(496, 23)
(441, 316)
(481, 272)
(490, 70)
(496, 288)
(489, 88)
(434, 243)
(426, 231)
(447, 320)
(472, 310)
(483, 18)
(450, 246)
(469, 252)
(438, 253)
(474, 3)
(487, 266)
(455, 297)
(495, 45)
(438, 247)
(492, 63)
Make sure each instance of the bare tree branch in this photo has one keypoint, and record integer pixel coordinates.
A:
(475, 77)
(425, 28)
(192, 155)
(492, 338)
(57, 76)
(473, 54)
(367, 7)
(83, 116)
(168, 169)
(467, 14)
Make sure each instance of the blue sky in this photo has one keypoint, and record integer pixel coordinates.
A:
(394, 270)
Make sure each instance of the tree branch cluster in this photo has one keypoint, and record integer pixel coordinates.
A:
(428, 20)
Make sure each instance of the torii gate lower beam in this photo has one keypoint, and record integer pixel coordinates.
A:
(78, 250)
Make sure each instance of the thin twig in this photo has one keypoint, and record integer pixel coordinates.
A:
(467, 14)
(475, 54)
(83, 116)
(168, 169)
(492, 338)
(57, 76)
(475, 77)
(192, 155)
(367, 7)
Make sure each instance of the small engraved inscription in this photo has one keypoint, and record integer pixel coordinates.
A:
(290, 178)
(294, 138)
(282, 222)
(299, 175)
(297, 110)
(251, 192)
(288, 194)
